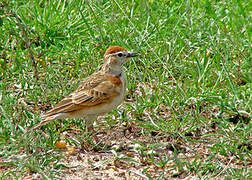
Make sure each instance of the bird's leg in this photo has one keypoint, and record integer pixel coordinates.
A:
(90, 128)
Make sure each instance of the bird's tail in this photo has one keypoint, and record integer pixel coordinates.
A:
(43, 122)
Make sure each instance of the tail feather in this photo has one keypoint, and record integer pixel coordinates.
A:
(43, 122)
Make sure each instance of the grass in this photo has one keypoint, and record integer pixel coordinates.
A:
(189, 112)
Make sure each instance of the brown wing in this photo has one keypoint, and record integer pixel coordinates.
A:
(93, 90)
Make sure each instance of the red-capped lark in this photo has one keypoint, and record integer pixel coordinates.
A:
(97, 94)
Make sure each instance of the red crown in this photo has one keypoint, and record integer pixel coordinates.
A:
(114, 49)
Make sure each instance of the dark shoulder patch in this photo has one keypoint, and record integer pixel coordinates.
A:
(114, 80)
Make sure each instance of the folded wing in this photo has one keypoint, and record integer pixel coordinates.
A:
(92, 91)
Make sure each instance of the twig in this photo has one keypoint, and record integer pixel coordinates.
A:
(152, 120)
(224, 167)
(27, 41)
(139, 174)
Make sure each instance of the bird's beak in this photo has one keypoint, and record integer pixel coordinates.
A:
(132, 54)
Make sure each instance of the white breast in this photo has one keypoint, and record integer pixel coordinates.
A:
(124, 82)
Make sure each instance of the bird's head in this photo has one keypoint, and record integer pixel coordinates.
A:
(116, 56)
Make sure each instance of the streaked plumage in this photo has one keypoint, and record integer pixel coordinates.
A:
(97, 94)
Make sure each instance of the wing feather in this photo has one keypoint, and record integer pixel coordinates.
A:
(92, 91)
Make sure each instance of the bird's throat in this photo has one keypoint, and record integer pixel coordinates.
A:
(113, 70)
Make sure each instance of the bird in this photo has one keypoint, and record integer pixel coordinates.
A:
(97, 94)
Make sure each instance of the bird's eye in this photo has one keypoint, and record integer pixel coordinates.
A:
(120, 54)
